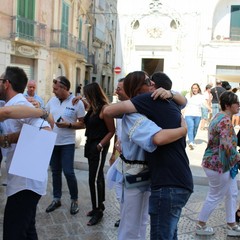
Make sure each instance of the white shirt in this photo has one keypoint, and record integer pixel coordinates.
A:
(70, 113)
(194, 104)
(16, 183)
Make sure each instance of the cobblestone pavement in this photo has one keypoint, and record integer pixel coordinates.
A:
(61, 225)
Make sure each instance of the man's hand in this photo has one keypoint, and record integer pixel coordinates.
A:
(34, 102)
(62, 124)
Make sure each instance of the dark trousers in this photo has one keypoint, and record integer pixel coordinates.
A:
(96, 161)
(19, 216)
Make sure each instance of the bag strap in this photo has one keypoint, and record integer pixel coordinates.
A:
(217, 94)
(132, 162)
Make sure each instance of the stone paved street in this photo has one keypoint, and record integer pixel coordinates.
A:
(61, 225)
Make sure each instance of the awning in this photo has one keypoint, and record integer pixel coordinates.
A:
(229, 78)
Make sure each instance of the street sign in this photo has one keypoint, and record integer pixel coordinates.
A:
(117, 70)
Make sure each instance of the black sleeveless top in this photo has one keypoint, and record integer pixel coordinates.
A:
(95, 126)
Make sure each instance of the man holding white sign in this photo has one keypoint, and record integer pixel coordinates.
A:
(23, 194)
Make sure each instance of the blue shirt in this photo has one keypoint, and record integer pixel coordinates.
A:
(37, 98)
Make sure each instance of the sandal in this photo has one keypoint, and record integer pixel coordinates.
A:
(91, 213)
(96, 218)
(237, 216)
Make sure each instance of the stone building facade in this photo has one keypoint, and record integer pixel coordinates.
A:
(49, 38)
(192, 41)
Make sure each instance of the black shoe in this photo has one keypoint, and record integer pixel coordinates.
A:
(237, 215)
(74, 207)
(96, 218)
(117, 223)
(54, 205)
(91, 213)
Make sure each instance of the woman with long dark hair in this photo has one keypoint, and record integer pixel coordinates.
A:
(99, 131)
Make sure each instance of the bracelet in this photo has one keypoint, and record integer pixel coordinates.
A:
(70, 125)
(6, 143)
(45, 114)
(100, 145)
(172, 96)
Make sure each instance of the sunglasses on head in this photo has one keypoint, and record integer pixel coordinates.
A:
(55, 81)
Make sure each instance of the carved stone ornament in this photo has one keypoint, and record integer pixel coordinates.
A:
(154, 32)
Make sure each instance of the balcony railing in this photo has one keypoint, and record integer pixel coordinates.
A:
(28, 30)
(69, 42)
(91, 59)
(99, 34)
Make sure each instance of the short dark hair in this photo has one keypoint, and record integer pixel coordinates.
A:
(121, 80)
(161, 80)
(208, 86)
(64, 81)
(227, 98)
(17, 77)
(226, 85)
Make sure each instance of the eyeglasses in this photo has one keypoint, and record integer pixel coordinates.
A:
(118, 89)
(3, 79)
(55, 81)
(148, 82)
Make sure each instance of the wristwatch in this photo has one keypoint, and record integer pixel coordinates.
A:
(173, 93)
(6, 143)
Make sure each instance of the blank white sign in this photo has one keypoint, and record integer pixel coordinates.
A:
(33, 153)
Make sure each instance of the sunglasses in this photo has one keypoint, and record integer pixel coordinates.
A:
(148, 82)
(55, 81)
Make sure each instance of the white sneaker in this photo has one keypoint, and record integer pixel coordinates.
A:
(191, 145)
(204, 230)
(233, 231)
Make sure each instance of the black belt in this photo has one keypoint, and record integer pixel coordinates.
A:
(132, 161)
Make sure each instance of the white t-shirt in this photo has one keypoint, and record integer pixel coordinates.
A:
(194, 105)
(16, 183)
(70, 113)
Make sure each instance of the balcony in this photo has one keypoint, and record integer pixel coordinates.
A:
(91, 60)
(69, 42)
(99, 35)
(29, 30)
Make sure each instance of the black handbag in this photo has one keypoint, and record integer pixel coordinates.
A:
(138, 180)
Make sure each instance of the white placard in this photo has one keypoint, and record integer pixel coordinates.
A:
(33, 153)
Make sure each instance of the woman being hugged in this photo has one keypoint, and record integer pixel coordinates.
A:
(140, 134)
(99, 131)
(220, 163)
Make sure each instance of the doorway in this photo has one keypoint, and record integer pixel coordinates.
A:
(151, 65)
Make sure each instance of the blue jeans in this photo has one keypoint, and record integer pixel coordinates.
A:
(62, 160)
(192, 125)
(165, 207)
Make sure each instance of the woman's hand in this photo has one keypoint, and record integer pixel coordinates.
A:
(161, 93)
